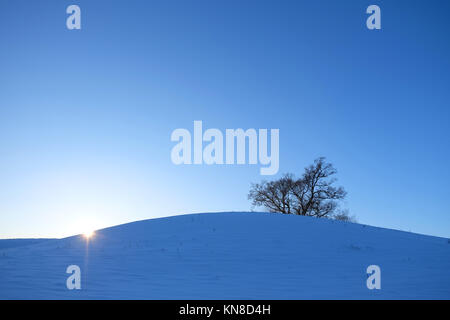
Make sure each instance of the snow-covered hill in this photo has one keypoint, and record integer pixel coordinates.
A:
(230, 256)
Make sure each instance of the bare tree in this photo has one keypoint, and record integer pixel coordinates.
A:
(344, 216)
(311, 195)
(275, 196)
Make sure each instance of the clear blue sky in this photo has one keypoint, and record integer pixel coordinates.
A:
(86, 116)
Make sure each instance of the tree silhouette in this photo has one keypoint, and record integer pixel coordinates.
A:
(311, 195)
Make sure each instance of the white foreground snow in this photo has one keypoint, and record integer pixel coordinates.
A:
(230, 256)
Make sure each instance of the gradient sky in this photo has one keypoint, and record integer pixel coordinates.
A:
(86, 115)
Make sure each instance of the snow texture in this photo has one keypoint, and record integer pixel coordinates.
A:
(229, 256)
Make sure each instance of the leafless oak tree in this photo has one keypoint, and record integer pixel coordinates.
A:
(311, 195)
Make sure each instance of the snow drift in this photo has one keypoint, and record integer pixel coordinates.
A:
(230, 256)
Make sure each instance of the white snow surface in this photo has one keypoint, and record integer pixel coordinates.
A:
(229, 256)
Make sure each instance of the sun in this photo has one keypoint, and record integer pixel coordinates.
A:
(88, 234)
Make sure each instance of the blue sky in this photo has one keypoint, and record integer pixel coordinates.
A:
(86, 115)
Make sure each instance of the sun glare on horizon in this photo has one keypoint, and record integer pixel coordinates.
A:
(88, 234)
